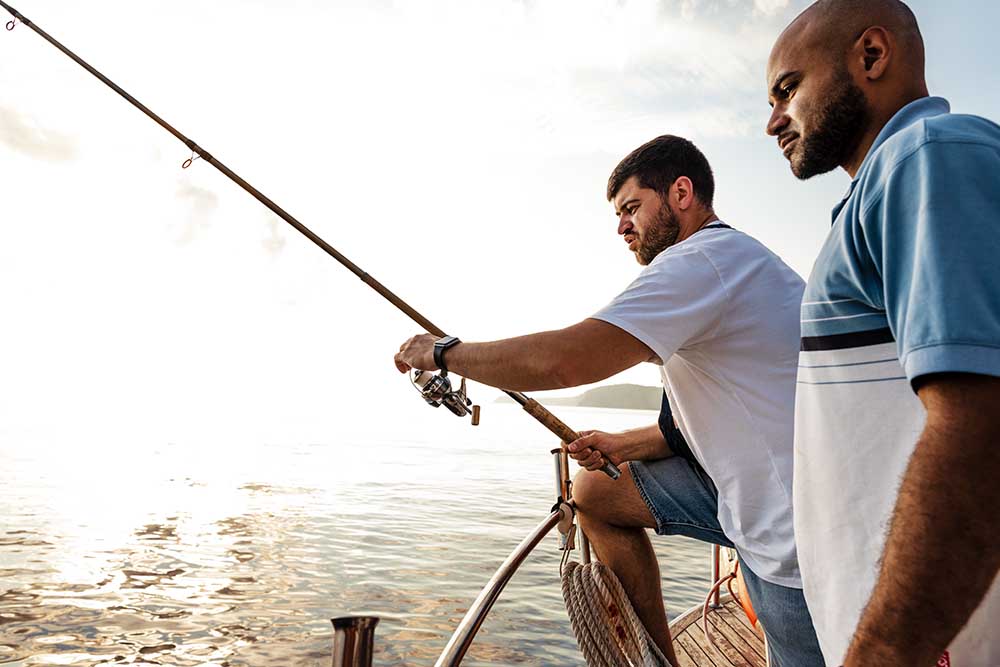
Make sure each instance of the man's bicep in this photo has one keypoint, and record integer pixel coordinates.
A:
(598, 350)
(616, 346)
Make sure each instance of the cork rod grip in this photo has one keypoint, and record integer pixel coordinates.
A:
(565, 433)
(550, 421)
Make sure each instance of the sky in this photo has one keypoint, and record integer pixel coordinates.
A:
(456, 150)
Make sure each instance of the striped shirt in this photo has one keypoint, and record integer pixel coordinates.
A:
(907, 284)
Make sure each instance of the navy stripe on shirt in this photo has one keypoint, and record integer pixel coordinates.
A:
(847, 340)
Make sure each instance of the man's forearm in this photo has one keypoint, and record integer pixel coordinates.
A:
(942, 552)
(586, 352)
(645, 443)
(526, 363)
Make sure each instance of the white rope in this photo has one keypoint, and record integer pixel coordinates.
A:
(605, 624)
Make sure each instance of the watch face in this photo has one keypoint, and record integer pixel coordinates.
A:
(446, 342)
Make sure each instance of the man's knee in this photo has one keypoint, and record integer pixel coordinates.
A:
(615, 502)
(588, 490)
(597, 495)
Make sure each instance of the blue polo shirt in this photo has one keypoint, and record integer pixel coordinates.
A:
(907, 284)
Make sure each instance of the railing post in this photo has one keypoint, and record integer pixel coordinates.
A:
(353, 640)
(716, 573)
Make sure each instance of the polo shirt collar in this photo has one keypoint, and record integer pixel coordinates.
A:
(925, 107)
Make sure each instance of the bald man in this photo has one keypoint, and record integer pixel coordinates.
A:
(897, 443)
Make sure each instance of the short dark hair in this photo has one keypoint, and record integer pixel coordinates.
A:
(661, 162)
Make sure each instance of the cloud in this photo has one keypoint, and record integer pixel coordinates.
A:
(726, 9)
(769, 7)
(25, 136)
(696, 65)
(634, 67)
(202, 203)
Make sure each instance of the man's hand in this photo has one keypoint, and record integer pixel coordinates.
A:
(418, 352)
(593, 448)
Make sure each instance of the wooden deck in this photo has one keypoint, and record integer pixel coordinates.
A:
(739, 644)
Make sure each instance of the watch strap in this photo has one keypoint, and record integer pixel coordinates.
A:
(441, 346)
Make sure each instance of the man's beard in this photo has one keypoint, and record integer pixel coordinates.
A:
(839, 128)
(660, 236)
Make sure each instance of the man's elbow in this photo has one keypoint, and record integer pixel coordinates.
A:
(567, 373)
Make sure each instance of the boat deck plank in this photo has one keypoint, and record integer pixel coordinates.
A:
(684, 659)
(737, 643)
(699, 653)
(739, 622)
(732, 651)
(737, 637)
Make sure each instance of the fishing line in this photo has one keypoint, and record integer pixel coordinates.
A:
(531, 406)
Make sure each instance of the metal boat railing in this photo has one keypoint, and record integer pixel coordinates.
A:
(469, 626)
(354, 636)
(354, 633)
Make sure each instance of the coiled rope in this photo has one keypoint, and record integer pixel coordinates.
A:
(605, 624)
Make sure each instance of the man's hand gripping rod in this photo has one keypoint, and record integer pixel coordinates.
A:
(436, 390)
(532, 407)
(459, 404)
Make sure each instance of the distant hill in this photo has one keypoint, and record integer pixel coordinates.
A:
(622, 396)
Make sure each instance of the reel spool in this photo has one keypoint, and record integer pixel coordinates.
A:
(436, 390)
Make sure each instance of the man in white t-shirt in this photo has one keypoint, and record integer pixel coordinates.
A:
(718, 312)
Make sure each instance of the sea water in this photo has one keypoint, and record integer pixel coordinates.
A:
(236, 549)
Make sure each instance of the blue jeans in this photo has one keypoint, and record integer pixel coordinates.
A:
(684, 501)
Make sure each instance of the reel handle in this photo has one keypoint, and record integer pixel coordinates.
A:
(565, 433)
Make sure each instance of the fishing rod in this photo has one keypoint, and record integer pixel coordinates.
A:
(436, 389)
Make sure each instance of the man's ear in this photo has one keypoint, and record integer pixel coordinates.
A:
(682, 193)
(875, 50)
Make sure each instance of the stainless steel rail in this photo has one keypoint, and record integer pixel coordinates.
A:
(353, 640)
(716, 573)
(473, 620)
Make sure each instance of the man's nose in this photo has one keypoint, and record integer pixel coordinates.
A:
(778, 121)
(624, 224)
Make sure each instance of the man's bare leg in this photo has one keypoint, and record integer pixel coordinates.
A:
(615, 517)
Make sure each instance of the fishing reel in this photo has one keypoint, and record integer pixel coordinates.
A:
(437, 391)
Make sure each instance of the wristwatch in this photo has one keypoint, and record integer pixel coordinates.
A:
(440, 347)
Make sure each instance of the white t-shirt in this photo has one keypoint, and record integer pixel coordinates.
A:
(722, 312)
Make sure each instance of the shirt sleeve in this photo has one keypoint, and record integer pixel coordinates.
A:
(676, 301)
(935, 236)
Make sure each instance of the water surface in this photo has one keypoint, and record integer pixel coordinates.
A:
(237, 551)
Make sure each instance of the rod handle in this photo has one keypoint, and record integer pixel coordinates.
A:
(611, 470)
(564, 432)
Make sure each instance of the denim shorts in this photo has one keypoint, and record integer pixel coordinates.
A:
(684, 501)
